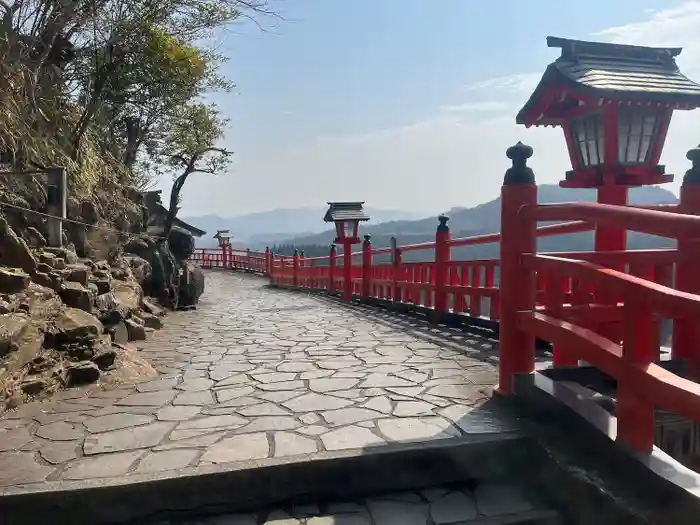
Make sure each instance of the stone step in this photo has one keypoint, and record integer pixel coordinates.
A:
(475, 503)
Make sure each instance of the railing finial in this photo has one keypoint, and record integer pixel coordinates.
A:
(296, 252)
(443, 227)
(692, 176)
(519, 173)
(368, 239)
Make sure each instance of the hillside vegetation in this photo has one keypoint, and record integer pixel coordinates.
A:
(111, 90)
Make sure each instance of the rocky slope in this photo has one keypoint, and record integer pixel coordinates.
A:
(67, 320)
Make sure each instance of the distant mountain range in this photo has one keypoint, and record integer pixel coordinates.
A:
(257, 230)
(486, 218)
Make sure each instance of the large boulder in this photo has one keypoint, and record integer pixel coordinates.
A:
(14, 252)
(73, 324)
(13, 281)
(76, 295)
(191, 285)
(140, 268)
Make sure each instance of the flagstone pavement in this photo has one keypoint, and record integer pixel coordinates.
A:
(257, 373)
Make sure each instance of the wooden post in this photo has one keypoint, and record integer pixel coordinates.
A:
(442, 259)
(295, 269)
(686, 335)
(331, 269)
(347, 270)
(395, 268)
(56, 203)
(367, 268)
(303, 275)
(517, 285)
(267, 270)
(635, 414)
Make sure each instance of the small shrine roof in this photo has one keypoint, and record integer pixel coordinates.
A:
(345, 211)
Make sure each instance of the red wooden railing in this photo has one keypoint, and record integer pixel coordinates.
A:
(600, 307)
(228, 258)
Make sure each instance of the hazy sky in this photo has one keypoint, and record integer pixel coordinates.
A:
(410, 104)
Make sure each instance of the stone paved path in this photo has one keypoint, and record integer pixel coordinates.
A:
(487, 503)
(259, 373)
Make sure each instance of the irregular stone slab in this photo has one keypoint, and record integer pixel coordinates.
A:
(296, 366)
(152, 399)
(263, 409)
(237, 379)
(107, 466)
(116, 422)
(496, 499)
(453, 507)
(416, 429)
(350, 437)
(213, 423)
(59, 431)
(244, 447)
(380, 404)
(179, 413)
(289, 444)
(127, 439)
(194, 398)
(278, 397)
(227, 394)
(196, 385)
(313, 430)
(394, 512)
(274, 377)
(339, 519)
(413, 408)
(309, 419)
(297, 384)
(18, 468)
(167, 460)
(466, 392)
(14, 438)
(201, 441)
(313, 402)
(331, 384)
(266, 423)
(384, 381)
(346, 416)
(56, 453)
(338, 364)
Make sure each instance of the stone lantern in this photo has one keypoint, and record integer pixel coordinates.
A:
(347, 217)
(614, 103)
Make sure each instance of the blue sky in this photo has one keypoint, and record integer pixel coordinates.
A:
(408, 105)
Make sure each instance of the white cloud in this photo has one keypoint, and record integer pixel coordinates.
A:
(519, 83)
(455, 157)
(485, 107)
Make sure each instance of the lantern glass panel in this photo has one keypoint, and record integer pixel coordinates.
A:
(637, 132)
(590, 139)
(349, 228)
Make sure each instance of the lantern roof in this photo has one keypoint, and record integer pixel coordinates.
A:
(615, 71)
(223, 234)
(345, 211)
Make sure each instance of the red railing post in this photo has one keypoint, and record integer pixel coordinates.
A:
(635, 413)
(441, 267)
(224, 257)
(295, 269)
(267, 271)
(347, 271)
(395, 269)
(367, 267)
(686, 335)
(517, 283)
(331, 269)
(303, 274)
